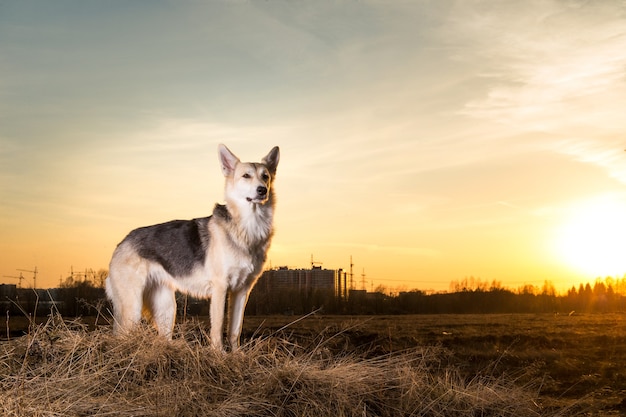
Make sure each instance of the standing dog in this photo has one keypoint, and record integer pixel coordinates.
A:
(208, 257)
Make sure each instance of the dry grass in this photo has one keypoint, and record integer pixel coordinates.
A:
(63, 369)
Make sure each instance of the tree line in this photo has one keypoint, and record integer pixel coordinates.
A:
(469, 296)
(85, 296)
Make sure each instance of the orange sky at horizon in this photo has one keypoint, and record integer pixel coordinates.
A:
(430, 141)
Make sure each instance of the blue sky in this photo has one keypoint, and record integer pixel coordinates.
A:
(431, 140)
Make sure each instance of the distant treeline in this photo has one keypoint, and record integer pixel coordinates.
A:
(84, 297)
(469, 296)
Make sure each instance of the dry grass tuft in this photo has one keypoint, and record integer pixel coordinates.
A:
(66, 370)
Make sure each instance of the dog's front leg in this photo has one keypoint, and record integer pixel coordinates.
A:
(236, 305)
(218, 303)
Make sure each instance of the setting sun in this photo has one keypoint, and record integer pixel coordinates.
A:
(591, 238)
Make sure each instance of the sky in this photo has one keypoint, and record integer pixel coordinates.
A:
(432, 141)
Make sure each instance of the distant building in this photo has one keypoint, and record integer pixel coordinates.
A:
(8, 291)
(314, 279)
(357, 294)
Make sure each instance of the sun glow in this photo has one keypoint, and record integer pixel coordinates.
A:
(592, 238)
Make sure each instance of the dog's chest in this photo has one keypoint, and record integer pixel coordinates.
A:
(239, 245)
(242, 271)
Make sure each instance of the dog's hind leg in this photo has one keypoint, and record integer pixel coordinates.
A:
(126, 300)
(125, 284)
(126, 318)
(160, 301)
(126, 306)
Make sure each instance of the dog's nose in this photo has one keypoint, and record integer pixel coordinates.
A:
(261, 191)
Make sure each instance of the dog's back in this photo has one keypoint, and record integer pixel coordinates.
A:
(215, 256)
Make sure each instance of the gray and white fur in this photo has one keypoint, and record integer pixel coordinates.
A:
(211, 257)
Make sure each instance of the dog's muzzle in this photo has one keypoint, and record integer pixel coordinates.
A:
(261, 195)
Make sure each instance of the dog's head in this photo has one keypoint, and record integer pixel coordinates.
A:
(248, 181)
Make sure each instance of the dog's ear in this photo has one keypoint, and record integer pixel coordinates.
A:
(271, 160)
(228, 160)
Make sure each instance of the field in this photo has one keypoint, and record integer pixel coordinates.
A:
(576, 363)
(427, 365)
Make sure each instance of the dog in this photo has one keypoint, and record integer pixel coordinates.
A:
(209, 257)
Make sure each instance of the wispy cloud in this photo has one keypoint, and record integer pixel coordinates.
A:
(547, 54)
(608, 153)
(555, 67)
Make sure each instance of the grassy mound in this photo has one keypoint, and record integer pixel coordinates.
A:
(64, 369)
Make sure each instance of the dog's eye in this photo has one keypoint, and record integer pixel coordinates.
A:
(266, 177)
(246, 175)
